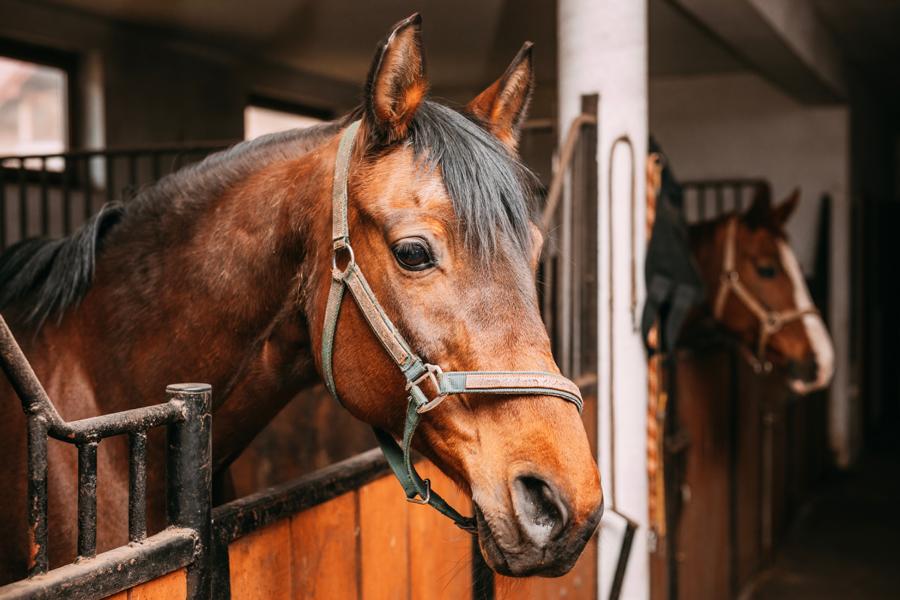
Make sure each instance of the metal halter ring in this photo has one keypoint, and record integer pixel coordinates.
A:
(426, 499)
(774, 322)
(337, 274)
(432, 372)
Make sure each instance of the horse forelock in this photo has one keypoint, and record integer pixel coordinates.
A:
(492, 193)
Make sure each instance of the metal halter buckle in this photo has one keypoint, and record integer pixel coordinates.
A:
(338, 274)
(432, 372)
(426, 499)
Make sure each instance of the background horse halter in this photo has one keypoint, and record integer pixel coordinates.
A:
(770, 321)
(416, 371)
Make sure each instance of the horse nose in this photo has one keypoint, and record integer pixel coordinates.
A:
(542, 512)
(806, 369)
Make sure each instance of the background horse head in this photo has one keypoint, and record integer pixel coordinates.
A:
(221, 273)
(757, 291)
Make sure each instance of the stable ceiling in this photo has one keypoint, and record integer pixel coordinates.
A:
(468, 43)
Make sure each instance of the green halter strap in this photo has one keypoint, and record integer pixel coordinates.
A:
(416, 372)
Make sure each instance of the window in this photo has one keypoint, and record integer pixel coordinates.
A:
(33, 108)
(263, 116)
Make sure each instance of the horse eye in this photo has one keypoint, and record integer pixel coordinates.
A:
(766, 271)
(413, 255)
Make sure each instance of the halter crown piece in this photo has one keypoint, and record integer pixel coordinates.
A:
(416, 371)
(770, 321)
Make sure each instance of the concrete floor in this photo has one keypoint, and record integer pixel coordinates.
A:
(846, 542)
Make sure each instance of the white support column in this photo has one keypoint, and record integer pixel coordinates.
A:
(603, 50)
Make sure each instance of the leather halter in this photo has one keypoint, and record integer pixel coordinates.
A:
(770, 321)
(416, 371)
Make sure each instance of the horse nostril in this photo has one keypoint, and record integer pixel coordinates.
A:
(806, 369)
(540, 509)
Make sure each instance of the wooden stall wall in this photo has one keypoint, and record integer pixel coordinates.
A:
(754, 451)
(366, 544)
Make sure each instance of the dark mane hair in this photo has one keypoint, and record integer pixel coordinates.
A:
(490, 190)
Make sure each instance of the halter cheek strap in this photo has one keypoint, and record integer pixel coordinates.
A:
(770, 321)
(418, 373)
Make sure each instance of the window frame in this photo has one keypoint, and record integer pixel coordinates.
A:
(67, 62)
(287, 106)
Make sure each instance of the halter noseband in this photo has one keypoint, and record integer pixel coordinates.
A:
(770, 321)
(414, 369)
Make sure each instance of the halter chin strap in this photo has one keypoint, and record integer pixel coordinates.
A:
(418, 374)
(770, 321)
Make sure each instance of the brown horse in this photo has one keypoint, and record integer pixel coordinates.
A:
(220, 273)
(757, 292)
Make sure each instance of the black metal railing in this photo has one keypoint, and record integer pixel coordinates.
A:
(53, 194)
(184, 543)
(712, 198)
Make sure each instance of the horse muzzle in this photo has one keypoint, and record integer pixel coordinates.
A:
(540, 532)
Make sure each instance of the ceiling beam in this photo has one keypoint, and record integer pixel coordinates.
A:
(783, 39)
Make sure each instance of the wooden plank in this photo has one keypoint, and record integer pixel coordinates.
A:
(384, 547)
(440, 553)
(167, 587)
(749, 491)
(703, 532)
(120, 596)
(324, 541)
(578, 584)
(261, 563)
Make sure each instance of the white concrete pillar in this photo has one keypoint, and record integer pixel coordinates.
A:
(603, 51)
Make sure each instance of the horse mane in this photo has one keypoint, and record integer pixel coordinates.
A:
(490, 190)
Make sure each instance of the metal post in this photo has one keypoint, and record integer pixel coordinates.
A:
(189, 476)
(87, 499)
(37, 494)
(23, 200)
(2, 206)
(137, 487)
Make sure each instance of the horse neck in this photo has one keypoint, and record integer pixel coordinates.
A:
(197, 291)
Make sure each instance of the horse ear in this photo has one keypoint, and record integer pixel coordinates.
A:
(503, 105)
(760, 211)
(783, 211)
(396, 84)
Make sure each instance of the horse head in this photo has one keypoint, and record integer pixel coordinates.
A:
(439, 218)
(760, 295)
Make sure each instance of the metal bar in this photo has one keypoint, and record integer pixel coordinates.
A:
(88, 209)
(87, 499)
(2, 206)
(197, 147)
(23, 201)
(45, 200)
(701, 203)
(137, 486)
(110, 177)
(35, 401)
(155, 166)
(126, 421)
(738, 197)
(189, 477)
(66, 197)
(720, 201)
(37, 495)
(22, 378)
(565, 158)
(110, 572)
(132, 171)
(615, 588)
